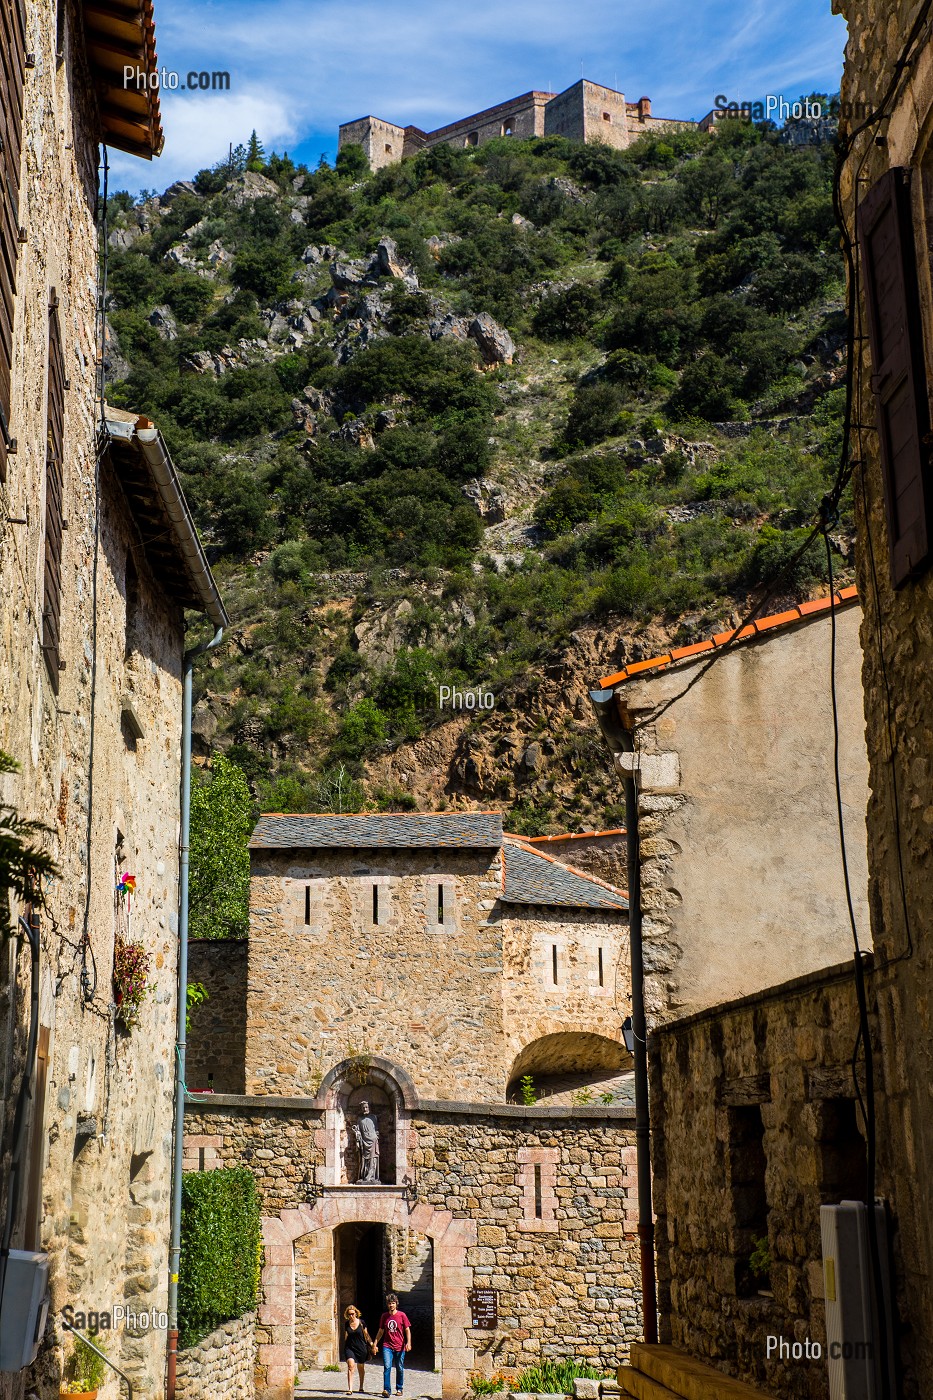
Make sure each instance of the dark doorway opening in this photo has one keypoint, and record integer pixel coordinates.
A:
(372, 1260)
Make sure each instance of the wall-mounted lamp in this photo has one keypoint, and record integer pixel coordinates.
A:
(628, 1035)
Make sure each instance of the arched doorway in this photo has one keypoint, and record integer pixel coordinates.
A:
(573, 1067)
(373, 1259)
(442, 1268)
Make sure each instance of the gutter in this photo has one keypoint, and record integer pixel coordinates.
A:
(619, 740)
(181, 1004)
(151, 445)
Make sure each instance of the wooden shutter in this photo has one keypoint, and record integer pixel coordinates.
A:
(54, 493)
(12, 74)
(895, 332)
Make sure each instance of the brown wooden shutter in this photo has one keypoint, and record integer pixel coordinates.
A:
(54, 493)
(12, 75)
(895, 331)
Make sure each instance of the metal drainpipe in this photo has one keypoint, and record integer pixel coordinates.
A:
(619, 741)
(181, 1005)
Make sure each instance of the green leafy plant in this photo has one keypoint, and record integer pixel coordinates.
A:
(131, 982)
(481, 1384)
(760, 1260)
(332, 1367)
(24, 864)
(555, 1377)
(220, 1250)
(85, 1371)
(222, 813)
(195, 995)
(526, 1087)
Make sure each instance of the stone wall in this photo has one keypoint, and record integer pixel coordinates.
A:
(216, 1052)
(754, 1127)
(223, 1364)
(452, 1003)
(588, 112)
(741, 876)
(103, 1132)
(520, 117)
(497, 1192)
(897, 626)
(382, 141)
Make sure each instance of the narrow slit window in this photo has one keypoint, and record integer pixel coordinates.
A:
(307, 904)
(601, 981)
(375, 904)
(554, 963)
(440, 904)
(539, 1206)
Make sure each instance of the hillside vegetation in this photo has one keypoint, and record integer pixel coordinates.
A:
(504, 418)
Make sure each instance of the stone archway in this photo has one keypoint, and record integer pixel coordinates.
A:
(453, 1277)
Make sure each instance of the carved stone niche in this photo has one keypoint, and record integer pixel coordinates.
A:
(391, 1098)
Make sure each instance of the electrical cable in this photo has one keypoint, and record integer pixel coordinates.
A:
(864, 1031)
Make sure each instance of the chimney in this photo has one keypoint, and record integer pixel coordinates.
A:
(644, 108)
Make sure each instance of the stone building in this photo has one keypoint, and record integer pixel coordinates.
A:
(754, 1115)
(585, 111)
(886, 123)
(98, 561)
(444, 973)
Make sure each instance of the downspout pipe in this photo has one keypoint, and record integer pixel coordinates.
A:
(181, 1004)
(619, 740)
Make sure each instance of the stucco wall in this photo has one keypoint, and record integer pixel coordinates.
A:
(901, 624)
(741, 874)
(786, 1055)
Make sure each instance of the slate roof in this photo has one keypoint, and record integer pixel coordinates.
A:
(469, 830)
(531, 877)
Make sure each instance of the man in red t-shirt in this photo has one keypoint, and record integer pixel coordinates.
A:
(395, 1328)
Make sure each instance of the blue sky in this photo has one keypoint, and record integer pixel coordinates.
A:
(298, 69)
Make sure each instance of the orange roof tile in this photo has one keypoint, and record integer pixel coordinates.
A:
(564, 835)
(754, 629)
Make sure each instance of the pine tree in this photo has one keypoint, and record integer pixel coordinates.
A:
(255, 154)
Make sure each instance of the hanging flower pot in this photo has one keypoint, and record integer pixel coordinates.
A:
(131, 984)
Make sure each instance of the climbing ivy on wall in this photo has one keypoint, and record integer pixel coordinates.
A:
(220, 1250)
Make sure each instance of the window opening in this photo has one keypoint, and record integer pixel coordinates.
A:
(375, 904)
(554, 963)
(601, 978)
(440, 904)
(307, 904)
(539, 1207)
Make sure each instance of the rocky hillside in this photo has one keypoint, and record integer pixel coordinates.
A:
(494, 421)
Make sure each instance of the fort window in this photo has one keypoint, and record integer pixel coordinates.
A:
(440, 904)
(537, 1178)
(472, 138)
(842, 1154)
(388, 149)
(607, 116)
(375, 904)
(601, 975)
(554, 963)
(506, 128)
(307, 904)
(746, 1164)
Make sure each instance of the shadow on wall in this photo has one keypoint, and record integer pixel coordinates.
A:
(572, 1067)
(216, 1056)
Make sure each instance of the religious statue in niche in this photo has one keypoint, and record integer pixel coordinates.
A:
(366, 1137)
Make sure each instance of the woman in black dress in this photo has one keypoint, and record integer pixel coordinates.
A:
(357, 1346)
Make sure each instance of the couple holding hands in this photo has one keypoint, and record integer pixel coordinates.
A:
(395, 1335)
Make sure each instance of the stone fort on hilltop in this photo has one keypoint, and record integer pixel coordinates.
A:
(583, 112)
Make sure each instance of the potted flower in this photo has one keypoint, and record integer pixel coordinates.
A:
(85, 1372)
(130, 980)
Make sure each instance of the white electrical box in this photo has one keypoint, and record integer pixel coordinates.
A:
(23, 1308)
(853, 1343)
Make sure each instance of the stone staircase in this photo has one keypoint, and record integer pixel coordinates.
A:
(664, 1373)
